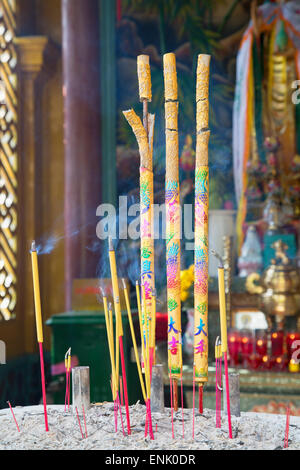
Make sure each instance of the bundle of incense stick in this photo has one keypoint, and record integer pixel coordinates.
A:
(201, 227)
(110, 338)
(173, 224)
(119, 329)
(144, 136)
(134, 340)
(218, 358)
(224, 344)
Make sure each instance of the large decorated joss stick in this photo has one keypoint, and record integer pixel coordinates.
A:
(39, 323)
(119, 327)
(145, 144)
(201, 227)
(173, 222)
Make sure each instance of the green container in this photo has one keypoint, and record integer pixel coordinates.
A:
(85, 333)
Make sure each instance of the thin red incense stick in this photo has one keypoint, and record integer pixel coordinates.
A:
(171, 395)
(79, 422)
(217, 392)
(227, 395)
(193, 401)
(156, 428)
(151, 358)
(69, 388)
(150, 420)
(220, 389)
(84, 420)
(287, 427)
(121, 417)
(116, 415)
(13, 416)
(124, 384)
(181, 386)
(146, 422)
(121, 391)
(66, 394)
(43, 384)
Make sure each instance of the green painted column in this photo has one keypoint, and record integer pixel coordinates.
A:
(108, 99)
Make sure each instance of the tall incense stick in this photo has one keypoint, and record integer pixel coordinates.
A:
(201, 227)
(116, 295)
(39, 324)
(173, 223)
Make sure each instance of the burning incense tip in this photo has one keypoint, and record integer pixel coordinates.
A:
(124, 283)
(110, 244)
(110, 306)
(214, 253)
(33, 246)
(137, 283)
(102, 292)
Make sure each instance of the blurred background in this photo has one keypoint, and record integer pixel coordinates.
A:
(68, 70)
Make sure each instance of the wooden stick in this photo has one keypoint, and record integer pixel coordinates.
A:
(175, 394)
(200, 398)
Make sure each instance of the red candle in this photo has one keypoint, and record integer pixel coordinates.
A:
(266, 363)
(277, 343)
(290, 339)
(280, 363)
(261, 346)
(233, 347)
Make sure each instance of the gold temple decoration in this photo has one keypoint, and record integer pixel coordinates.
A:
(8, 161)
(278, 287)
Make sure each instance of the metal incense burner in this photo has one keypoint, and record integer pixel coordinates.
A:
(278, 288)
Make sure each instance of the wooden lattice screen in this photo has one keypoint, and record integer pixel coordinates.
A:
(8, 160)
